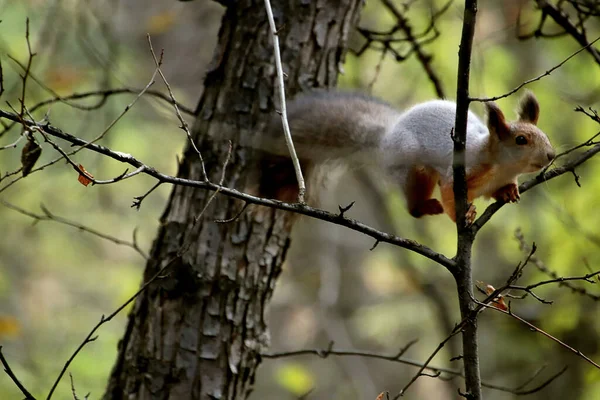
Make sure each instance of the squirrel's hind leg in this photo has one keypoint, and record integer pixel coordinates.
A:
(418, 188)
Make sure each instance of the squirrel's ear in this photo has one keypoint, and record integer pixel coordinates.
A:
(529, 108)
(496, 122)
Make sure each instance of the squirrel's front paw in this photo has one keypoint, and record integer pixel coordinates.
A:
(508, 193)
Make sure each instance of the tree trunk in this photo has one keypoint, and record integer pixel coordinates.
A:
(196, 333)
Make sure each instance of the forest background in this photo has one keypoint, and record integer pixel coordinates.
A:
(56, 281)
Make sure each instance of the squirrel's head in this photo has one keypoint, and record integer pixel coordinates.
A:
(520, 143)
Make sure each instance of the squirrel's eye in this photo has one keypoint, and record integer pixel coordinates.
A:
(521, 140)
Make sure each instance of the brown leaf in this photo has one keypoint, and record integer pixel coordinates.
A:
(380, 397)
(29, 155)
(85, 178)
(499, 300)
(9, 326)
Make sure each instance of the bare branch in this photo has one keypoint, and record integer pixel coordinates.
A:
(555, 277)
(90, 337)
(103, 93)
(283, 111)
(48, 216)
(296, 208)
(426, 363)
(562, 19)
(11, 375)
(537, 78)
(184, 124)
(542, 177)
(538, 330)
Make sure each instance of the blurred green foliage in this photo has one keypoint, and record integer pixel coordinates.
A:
(56, 281)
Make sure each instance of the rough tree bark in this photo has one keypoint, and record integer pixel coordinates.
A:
(196, 332)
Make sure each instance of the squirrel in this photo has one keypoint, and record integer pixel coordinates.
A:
(414, 148)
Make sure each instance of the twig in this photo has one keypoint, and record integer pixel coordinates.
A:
(12, 145)
(426, 363)
(538, 330)
(103, 93)
(1, 79)
(283, 111)
(300, 208)
(543, 268)
(216, 192)
(424, 59)
(79, 170)
(562, 20)
(296, 208)
(12, 376)
(90, 337)
(236, 216)
(27, 68)
(75, 397)
(137, 201)
(48, 216)
(184, 124)
(127, 108)
(542, 177)
(537, 78)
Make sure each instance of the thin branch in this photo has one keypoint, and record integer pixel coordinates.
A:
(184, 124)
(12, 145)
(538, 330)
(426, 363)
(137, 201)
(27, 69)
(90, 337)
(216, 192)
(12, 376)
(562, 19)
(79, 169)
(543, 268)
(537, 78)
(48, 216)
(283, 111)
(542, 177)
(1, 79)
(424, 58)
(236, 216)
(302, 208)
(75, 397)
(561, 279)
(103, 93)
(296, 208)
(467, 319)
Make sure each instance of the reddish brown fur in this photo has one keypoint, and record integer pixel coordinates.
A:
(479, 177)
(278, 178)
(418, 190)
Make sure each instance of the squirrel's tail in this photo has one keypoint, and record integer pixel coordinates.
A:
(325, 126)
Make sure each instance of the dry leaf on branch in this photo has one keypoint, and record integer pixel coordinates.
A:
(29, 155)
(85, 178)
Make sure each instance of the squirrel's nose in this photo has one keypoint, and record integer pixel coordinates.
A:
(551, 155)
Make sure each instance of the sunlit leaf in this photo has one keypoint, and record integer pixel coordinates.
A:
(295, 378)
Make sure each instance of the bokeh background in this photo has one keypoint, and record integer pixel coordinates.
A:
(56, 281)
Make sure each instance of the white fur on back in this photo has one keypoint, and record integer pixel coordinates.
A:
(421, 136)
